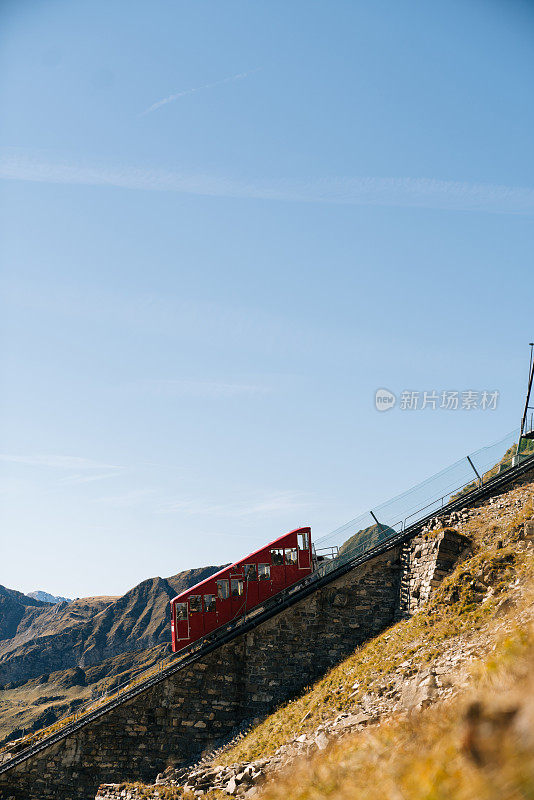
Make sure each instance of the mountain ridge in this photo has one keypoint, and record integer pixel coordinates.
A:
(46, 597)
(42, 637)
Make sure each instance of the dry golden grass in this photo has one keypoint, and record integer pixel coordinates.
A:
(440, 753)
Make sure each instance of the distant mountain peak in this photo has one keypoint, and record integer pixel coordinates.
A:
(45, 597)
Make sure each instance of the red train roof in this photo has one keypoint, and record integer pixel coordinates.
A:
(241, 560)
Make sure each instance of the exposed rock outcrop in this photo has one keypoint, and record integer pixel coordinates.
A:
(14, 607)
(46, 597)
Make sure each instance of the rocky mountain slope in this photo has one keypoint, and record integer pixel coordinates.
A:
(53, 657)
(438, 707)
(45, 597)
(13, 608)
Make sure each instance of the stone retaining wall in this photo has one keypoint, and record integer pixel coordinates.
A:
(426, 560)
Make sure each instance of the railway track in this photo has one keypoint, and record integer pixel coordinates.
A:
(325, 574)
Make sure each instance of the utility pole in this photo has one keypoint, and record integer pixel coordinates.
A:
(529, 433)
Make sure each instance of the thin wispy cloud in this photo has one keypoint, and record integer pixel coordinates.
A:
(74, 480)
(269, 504)
(172, 97)
(128, 499)
(57, 462)
(364, 191)
(78, 470)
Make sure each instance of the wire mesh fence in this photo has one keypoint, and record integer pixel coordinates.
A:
(392, 517)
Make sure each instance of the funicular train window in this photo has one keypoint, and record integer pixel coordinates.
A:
(277, 556)
(223, 590)
(264, 572)
(209, 602)
(181, 611)
(237, 587)
(303, 541)
(195, 603)
(250, 572)
(291, 555)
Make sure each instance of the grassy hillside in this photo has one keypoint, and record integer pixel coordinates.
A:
(480, 747)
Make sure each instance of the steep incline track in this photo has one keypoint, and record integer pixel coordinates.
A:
(327, 573)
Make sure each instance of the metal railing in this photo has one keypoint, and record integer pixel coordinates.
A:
(528, 431)
(429, 496)
(325, 553)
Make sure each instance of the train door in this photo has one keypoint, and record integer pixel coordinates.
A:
(237, 595)
(278, 570)
(196, 622)
(181, 622)
(224, 606)
(292, 568)
(303, 545)
(210, 613)
(250, 574)
(264, 582)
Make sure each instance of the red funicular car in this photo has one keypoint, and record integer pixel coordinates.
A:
(238, 588)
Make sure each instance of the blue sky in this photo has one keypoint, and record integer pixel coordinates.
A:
(226, 224)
